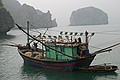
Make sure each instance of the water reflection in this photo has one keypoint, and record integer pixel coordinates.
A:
(40, 74)
(4, 55)
(6, 37)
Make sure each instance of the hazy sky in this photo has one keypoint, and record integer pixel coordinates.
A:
(62, 9)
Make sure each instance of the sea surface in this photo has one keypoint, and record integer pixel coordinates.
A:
(12, 66)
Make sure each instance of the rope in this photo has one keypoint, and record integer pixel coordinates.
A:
(46, 45)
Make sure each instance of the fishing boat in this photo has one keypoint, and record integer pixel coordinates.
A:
(57, 54)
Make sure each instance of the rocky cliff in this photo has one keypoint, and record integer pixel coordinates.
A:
(88, 16)
(23, 13)
(6, 20)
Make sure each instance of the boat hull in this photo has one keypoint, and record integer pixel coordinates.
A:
(66, 65)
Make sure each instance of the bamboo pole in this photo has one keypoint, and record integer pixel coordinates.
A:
(105, 49)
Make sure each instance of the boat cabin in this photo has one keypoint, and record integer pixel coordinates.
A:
(75, 49)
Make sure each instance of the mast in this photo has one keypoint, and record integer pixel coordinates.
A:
(28, 43)
(86, 39)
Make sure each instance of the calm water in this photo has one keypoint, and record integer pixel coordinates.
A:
(12, 66)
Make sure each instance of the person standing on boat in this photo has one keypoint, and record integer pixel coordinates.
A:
(83, 51)
(79, 39)
(35, 46)
(28, 45)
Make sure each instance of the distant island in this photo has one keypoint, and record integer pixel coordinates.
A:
(23, 13)
(88, 16)
(6, 20)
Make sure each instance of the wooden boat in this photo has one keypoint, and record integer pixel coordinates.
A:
(49, 60)
(63, 56)
(99, 68)
(62, 65)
